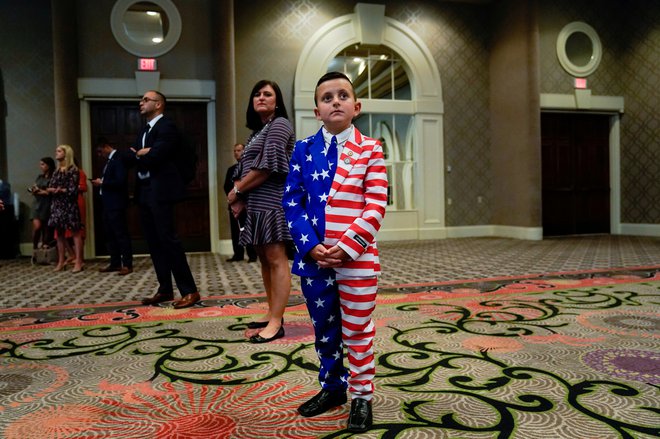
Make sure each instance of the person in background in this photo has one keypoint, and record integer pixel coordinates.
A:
(69, 244)
(113, 188)
(234, 223)
(41, 233)
(65, 212)
(258, 190)
(159, 186)
(335, 203)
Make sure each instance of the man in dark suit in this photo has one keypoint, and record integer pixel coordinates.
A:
(113, 188)
(233, 222)
(159, 187)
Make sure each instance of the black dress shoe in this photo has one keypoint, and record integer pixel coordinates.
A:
(234, 259)
(259, 339)
(158, 298)
(252, 260)
(360, 418)
(322, 402)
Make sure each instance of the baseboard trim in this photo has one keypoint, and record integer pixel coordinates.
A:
(225, 247)
(640, 229)
(25, 248)
(528, 233)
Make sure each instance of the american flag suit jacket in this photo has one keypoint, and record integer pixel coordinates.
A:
(347, 210)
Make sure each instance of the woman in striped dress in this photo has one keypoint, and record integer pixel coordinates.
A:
(256, 200)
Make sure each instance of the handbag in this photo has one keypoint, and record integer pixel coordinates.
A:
(44, 256)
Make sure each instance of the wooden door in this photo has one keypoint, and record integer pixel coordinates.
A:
(120, 123)
(575, 164)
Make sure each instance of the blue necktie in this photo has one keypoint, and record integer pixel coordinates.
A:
(332, 156)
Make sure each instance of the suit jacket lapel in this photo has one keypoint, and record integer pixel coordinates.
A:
(150, 132)
(320, 161)
(347, 159)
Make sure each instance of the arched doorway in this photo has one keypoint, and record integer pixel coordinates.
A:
(423, 217)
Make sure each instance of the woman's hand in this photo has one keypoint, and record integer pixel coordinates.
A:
(237, 207)
(231, 197)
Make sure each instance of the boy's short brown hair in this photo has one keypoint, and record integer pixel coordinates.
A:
(329, 77)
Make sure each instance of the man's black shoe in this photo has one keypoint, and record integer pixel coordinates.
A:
(322, 402)
(360, 418)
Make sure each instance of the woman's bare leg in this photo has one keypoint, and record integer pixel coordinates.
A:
(60, 250)
(279, 277)
(78, 251)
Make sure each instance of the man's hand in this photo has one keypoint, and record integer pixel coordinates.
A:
(96, 182)
(141, 152)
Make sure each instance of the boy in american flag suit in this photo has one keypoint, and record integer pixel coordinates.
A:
(334, 201)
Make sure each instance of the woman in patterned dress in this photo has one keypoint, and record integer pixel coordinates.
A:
(263, 169)
(82, 206)
(64, 211)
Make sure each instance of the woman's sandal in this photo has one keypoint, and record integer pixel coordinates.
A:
(259, 339)
(259, 325)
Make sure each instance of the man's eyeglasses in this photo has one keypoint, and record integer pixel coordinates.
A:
(146, 99)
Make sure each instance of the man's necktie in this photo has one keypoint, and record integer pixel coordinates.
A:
(332, 156)
(146, 133)
(142, 173)
(105, 167)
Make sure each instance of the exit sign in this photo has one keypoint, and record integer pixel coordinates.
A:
(147, 64)
(580, 83)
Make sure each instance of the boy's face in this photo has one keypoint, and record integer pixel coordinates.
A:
(336, 106)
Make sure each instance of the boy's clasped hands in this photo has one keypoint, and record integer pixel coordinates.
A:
(332, 257)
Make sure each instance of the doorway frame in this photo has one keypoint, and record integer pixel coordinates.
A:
(369, 25)
(176, 90)
(583, 102)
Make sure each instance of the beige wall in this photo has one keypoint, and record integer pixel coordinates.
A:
(466, 40)
(456, 34)
(630, 67)
(514, 104)
(26, 72)
(102, 57)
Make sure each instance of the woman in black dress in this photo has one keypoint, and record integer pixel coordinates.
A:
(64, 210)
(41, 234)
(263, 169)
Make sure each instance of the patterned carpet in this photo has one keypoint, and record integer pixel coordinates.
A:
(567, 354)
(409, 262)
